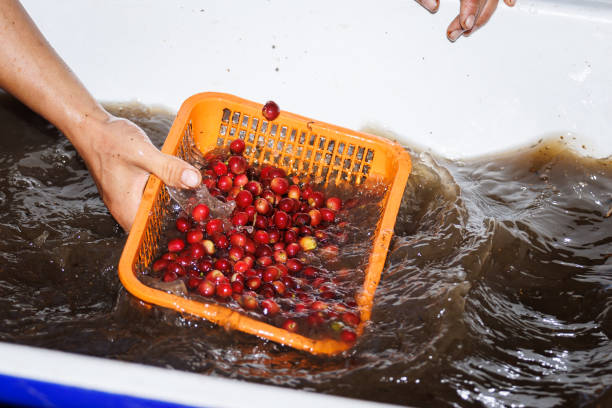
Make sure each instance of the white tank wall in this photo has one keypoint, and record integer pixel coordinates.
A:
(542, 68)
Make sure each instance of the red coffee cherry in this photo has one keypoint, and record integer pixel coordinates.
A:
(270, 110)
(183, 224)
(237, 146)
(200, 212)
(269, 307)
(176, 245)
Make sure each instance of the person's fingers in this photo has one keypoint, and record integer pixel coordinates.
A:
(510, 3)
(485, 15)
(173, 171)
(430, 5)
(469, 11)
(454, 30)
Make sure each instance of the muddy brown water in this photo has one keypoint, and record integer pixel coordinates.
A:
(497, 289)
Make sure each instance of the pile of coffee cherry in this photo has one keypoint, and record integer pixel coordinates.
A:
(259, 260)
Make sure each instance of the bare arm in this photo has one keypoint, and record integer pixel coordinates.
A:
(118, 154)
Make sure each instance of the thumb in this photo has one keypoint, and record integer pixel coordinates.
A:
(173, 171)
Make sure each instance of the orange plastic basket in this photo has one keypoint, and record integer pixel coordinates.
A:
(300, 146)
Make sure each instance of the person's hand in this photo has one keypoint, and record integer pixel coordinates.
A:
(120, 156)
(473, 14)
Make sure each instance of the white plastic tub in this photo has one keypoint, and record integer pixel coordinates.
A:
(540, 69)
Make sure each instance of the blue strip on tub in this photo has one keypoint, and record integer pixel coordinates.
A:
(33, 393)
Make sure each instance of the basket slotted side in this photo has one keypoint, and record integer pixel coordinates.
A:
(308, 149)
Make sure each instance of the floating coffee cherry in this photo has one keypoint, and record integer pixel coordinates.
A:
(267, 291)
(269, 196)
(327, 215)
(160, 265)
(182, 224)
(225, 184)
(194, 236)
(220, 168)
(319, 306)
(334, 203)
(308, 243)
(293, 192)
(237, 164)
(224, 290)
(269, 307)
(237, 146)
(206, 288)
(183, 260)
(199, 213)
(215, 276)
(241, 180)
(238, 239)
(316, 319)
(264, 260)
(261, 237)
(210, 183)
(169, 256)
(280, 256)
(241, 266)
(348, 335)
(237, 287)
(279, 287)
(270, 274)
(249, 246)
(262, 206)
(249, 301)
(281, 219)
(170, 276)
(279, 185)
(244, 199)
(194, 282)
(205, 265)
(290, 325)
(316, 199)
(220, 241)
(294, 265)
(223, 264)
(350, 318)
(176, 245)
(315, 217)
(214, 226)
(286, 204)
(209, 246)
(240, 218)
(254, 187)
(292, 249)
(270, 110)
(253, 283)
(197, 251)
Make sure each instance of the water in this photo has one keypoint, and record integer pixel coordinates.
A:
(497, 289)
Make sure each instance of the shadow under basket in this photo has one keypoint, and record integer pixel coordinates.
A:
(302, 147)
